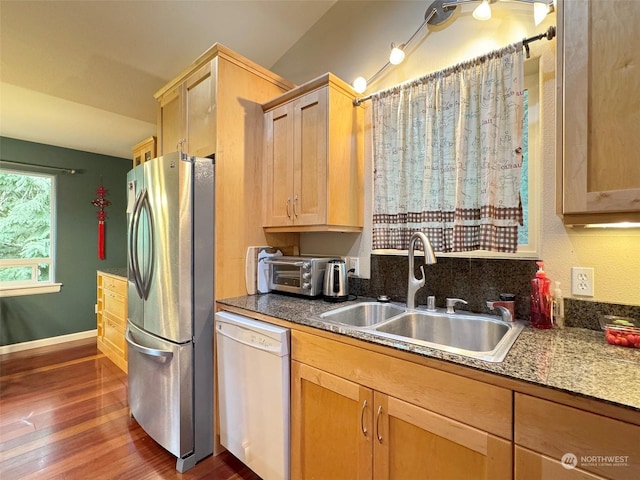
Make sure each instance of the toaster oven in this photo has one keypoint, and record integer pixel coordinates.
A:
(298, 275)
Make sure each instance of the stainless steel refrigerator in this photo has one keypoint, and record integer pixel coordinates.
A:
(170, 213)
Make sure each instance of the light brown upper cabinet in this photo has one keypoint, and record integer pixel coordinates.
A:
(187, 113)
(144, 151)
(313, 160)
(171, 120)
(598, 111)
(215, 107)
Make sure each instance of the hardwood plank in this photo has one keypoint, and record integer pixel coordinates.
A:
(64, 414)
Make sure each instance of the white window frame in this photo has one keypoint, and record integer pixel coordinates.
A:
(33, 286)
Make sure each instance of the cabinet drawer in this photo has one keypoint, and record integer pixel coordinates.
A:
(114, 335)
(114, 285)
(602, 445)
(121, 322)
(115, 305)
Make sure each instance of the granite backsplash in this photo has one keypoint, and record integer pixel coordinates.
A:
(476, 281)
(587, 313)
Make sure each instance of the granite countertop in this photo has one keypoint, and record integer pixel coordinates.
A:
(573, 360)
(117, 271)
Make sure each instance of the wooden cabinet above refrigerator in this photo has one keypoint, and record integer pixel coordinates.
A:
(192, 105)
(215, 107)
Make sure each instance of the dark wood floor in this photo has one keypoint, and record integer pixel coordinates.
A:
(64, 415)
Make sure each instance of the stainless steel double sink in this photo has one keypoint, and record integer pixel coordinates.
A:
(484, 337)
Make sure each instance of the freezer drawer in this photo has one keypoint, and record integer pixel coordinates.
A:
(161, 391)
(253, 390)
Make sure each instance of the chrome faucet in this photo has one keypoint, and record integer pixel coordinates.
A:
(414, 283)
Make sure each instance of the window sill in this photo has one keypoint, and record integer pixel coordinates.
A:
(19, 290)
(479, 254)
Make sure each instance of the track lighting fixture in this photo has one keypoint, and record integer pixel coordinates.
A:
(437, 13)
(482, 11)
(397, 54)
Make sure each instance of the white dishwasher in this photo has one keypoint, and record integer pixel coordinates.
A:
(253, 391)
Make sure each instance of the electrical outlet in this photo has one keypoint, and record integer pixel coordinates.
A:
(354, 262)
(582, 281)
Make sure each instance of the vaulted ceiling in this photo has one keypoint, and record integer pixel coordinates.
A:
(81, 74)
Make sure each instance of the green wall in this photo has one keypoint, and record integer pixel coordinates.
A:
(33, 317)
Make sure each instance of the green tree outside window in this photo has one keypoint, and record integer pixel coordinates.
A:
(25, 226)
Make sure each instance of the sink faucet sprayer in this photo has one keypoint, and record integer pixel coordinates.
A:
(414, 283)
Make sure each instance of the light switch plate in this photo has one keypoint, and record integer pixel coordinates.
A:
(582, 281)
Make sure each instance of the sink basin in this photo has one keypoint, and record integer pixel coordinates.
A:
(363, 314)
(485, 337)
(479, 336)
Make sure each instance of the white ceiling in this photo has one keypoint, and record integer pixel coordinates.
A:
(82, 74)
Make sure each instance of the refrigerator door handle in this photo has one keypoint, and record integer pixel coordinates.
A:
(161, 355)
(134, 263)
(145, 280)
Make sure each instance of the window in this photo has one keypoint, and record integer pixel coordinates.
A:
(27, 231)
(531, 188)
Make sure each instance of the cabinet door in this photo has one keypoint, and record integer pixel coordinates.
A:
(412, 442)
(114, 336)
(200, 91)
(609, 447)
(310, 158)
(278, 173)
(171, 121)
(601, 115)
(144, 151)
(533, 466)
(331, 426)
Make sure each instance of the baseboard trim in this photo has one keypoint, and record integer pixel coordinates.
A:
(46, 342)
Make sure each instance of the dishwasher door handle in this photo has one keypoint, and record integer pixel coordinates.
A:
(266, 348)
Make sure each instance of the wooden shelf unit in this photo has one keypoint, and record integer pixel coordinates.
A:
(111, 316)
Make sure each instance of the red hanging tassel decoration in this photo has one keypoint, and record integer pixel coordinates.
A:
(101, 203)
(101, 240)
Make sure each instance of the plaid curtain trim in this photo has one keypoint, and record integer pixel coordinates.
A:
(447, 231)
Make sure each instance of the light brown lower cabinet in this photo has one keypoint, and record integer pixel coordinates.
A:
(360, 413)
(331, 426)
(343, 430)
(111, 316)
(530, 465)
(597, 446)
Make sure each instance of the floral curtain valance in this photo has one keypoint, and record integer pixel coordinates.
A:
(448, 156)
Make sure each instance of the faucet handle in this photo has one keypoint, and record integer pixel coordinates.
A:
(451, 302)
